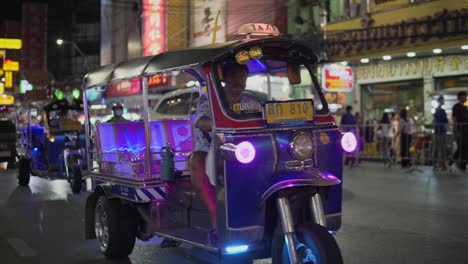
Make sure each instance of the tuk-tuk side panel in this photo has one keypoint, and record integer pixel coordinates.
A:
(245, 183)
(331, 160)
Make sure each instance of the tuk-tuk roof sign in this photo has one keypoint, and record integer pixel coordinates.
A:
(337, 78)
(151, 65)
(258, 29)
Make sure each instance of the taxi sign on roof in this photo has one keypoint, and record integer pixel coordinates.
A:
(258, 29)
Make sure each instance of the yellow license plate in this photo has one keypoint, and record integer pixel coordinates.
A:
(287, 112)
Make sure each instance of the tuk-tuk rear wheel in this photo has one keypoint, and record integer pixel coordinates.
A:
(76, 179)
(24, 171)
(115, 228)
(314, 237)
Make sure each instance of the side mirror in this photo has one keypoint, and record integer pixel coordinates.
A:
(294, 73)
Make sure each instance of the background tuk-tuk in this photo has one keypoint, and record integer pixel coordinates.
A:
(51, 141)
(7, 135)
(276, 160)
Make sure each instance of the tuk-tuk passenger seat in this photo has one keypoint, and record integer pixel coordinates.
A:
(125, 142)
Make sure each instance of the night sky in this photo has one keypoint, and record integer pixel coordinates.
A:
(12, 9)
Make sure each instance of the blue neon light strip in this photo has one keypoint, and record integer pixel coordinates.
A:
(237, 249)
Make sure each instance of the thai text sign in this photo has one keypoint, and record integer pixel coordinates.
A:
(337, 78)
(442, 24)
(413, 68)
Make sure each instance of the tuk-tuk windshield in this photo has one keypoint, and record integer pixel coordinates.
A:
(244, 88)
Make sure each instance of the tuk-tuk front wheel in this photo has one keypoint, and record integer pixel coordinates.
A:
(24, 171)
(314, 244)
(76, 179)
(115, 227)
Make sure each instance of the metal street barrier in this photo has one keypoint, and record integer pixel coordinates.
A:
(437, 145)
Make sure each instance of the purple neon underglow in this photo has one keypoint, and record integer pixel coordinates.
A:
(349, 142)
(245, 152)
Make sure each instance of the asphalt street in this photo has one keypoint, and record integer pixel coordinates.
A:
(389, 216)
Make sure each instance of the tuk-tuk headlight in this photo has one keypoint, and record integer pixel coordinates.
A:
(302, 146)
(51, 138)
(349, 142)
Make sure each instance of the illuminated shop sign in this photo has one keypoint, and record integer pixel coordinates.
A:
(8, 43)
(10, 65)
(8, 79)
(158, 80)
(154, 27)
(127, 87)
(25, 86)
(337, 78)
(6, 99)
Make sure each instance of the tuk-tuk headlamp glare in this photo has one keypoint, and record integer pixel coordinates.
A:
(302, 146)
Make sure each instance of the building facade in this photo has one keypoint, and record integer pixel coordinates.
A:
(403, 53)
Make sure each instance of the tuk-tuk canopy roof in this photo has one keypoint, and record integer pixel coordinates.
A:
(150, 65)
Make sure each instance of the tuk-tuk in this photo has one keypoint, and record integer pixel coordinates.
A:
(275, 159)
(51, 141)
(7, 135)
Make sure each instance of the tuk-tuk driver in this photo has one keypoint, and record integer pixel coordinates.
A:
(235, 77)
(117, 111)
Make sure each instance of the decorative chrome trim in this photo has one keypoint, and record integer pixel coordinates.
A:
(299, 164)
(129, 182)
(206, 247)
(315, 127)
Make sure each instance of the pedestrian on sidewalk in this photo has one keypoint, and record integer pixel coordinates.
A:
(440, 123)
(385, 140)
(405, 138)
(395, 143)
(460, 130)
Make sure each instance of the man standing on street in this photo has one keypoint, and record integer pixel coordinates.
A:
(460, 131)
(440, 135)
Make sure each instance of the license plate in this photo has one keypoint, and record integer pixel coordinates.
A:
(288, 112)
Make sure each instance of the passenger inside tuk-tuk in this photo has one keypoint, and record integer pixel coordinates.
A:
(235, 77)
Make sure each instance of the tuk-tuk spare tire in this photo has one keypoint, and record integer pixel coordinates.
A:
(315, 237)
(24, 171)
(121, 225)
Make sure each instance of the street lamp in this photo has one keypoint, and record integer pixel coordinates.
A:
(60, 42)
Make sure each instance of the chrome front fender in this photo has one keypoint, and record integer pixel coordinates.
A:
(308, 177)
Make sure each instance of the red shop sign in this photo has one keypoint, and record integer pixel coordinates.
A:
(337, 78)
(127, 87)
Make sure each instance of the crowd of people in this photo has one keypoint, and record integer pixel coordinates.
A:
(396, 137)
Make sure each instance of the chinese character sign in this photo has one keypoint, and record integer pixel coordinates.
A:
(154, 27)
(204, 14)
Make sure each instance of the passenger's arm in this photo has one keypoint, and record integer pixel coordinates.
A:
(204, 123)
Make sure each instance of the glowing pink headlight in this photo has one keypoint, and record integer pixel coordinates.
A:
(349, 142)
(245, 152)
